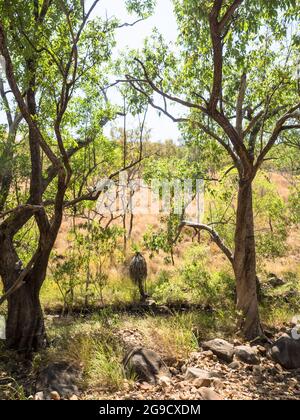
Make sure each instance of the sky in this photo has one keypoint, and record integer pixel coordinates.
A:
(163, 19)
(132, 38)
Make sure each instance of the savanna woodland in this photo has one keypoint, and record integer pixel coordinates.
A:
(103, 105)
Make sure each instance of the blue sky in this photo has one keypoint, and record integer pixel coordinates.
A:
(131, 38)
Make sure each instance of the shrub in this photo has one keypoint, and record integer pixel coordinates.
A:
(195, 282)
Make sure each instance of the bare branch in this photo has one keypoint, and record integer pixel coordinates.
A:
(291, 127)
(190, 121)
(161, 92)
(124, 25)
(214, 235)
(95, 194)
(279, 127)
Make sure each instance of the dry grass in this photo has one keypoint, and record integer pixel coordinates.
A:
(91, 345)
(120, 290)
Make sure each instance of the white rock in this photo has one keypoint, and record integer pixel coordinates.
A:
(39, 396)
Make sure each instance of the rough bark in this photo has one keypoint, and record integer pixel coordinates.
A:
(25, 325)
(244, 264)
(25, 322)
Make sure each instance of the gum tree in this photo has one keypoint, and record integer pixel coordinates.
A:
(56, 59)
(233, 74)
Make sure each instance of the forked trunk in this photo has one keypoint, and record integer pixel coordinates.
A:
(245, 264)
(25, 331)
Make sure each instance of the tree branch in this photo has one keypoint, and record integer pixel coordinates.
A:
(214, 235)
(229, 13)
(19, 98)
(187, 120)
(216, 37)
(279, 127)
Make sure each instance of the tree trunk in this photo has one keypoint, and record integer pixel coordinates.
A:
(245, 264)
(25, 328)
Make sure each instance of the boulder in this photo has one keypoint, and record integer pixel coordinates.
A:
(247, 355)
(145, 364)
(275, 281)
(221, 348)
(286, 352)
(60, 379)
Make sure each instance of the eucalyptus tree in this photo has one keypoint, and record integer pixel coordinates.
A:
(57, 59)
(234, 73)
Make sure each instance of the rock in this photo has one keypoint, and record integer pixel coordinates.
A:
(295, 321)
(203, 382)
(200, 378)
(195, 355)
(221, 348)
(209, 354)
(218, 384)
(59, 377)
(183, 369)
(183, 385)
(208, 394)
(55, 396)
(146, 364)
(73, 398)
(145, 386)
(164, 381)
(262, 350)
(263, 340)
(257, 371)
(247, 355)
(235, 365)
(150, 302)
(39, 396)
(274, 281)
(195, 373)
(278, 368)
(286, 352)
(258, 380)
(174, 371)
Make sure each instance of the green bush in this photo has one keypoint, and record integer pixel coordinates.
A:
(194, 282)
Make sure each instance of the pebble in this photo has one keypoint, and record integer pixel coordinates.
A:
(54, 395)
